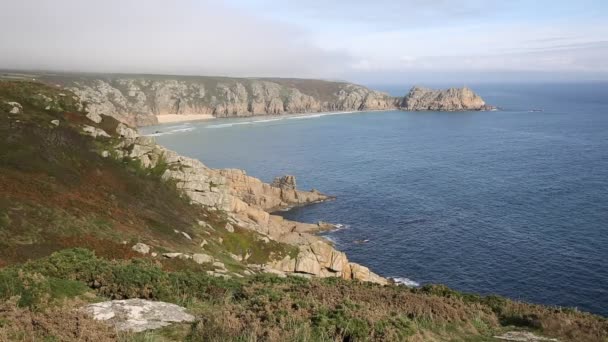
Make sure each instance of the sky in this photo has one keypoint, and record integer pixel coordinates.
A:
(380, 41)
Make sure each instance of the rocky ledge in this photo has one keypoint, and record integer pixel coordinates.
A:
(248, 203)
(452, 99)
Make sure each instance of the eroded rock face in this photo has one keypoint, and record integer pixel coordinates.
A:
(247, 201)
(138, 315)
(137, 100)
(453, 99)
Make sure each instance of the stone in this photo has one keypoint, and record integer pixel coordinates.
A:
(17, 108)
(306, 262)
(200, 258)
(137, 315)
(523, 336)
(186, 235)
(203, 243)
(96, 118)
(105, 154)
(55, 122)
(141, 248)
(154, 254)
(94, 131)
(229, 228)
(126, 131)
(172, 255)
(219, 265)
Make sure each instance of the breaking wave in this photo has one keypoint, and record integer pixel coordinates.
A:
(280, 118)
(405, 282)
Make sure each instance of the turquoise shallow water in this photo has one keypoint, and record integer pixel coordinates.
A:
(511, 202)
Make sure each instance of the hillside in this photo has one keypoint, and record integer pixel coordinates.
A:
(91, 211)
(137, 99)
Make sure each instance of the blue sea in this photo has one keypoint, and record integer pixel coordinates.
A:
(513, 202)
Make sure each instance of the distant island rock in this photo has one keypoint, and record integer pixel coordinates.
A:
(452, 100)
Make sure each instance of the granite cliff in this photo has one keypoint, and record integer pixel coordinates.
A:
(450, 100)
(137, 99)
(105, 234)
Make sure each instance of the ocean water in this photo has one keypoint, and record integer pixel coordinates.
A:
(513, 202)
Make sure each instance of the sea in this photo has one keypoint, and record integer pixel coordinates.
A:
(511, 202)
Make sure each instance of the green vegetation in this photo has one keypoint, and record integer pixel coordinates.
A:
(293, 308)
(68, 219)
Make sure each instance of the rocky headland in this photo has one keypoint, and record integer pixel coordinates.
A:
(142, 100)
(248, 203)
(448, 100)
(105, 234)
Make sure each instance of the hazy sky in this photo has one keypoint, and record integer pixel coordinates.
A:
(380, 41)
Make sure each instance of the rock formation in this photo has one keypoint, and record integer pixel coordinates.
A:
(248, 203)
(453, 99)
(137, 100)
(138, 315)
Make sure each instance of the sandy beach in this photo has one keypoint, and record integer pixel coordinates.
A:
(169, 118)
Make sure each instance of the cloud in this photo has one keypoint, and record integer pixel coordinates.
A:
(351, 40)
(154, 36)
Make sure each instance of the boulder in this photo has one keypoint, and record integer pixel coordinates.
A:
(96, 118)
(17, 108)
(141, 248)
(523, 336)
(94, 131)
(200, 258)
(172, 255)
(137, 315)
(306, 262)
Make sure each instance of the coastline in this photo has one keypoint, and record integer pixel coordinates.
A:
(252, 119)
(172, 118)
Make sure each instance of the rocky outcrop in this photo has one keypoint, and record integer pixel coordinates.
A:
(137, 100)
(138, 315)
(248, 203)
(453, 99)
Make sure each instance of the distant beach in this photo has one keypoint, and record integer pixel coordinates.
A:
(170, 118)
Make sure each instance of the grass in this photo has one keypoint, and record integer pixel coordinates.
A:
(68, 219)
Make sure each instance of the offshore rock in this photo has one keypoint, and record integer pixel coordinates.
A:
(453, 99)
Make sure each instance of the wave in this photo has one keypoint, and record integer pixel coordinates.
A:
(178, 130)
(405, 281)
(280, 118)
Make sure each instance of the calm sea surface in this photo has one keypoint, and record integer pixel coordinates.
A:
(513, 202)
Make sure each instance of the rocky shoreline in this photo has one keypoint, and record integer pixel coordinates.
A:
(249, 204)
(145, 100)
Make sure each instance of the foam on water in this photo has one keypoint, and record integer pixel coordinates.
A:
(173, 131)
(405, 282)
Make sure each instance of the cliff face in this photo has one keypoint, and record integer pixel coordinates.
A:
(137, 100)
(452, 99)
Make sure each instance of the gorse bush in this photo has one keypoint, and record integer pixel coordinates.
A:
(71, 272)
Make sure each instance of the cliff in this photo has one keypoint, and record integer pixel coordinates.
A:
(103, 233)
(452, 99)
(137, 99)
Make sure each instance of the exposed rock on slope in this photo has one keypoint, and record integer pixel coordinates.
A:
(138, 314)
(137, 100)
(247, 201)
(453, 99)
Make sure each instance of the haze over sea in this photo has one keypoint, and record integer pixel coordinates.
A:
(513, 202)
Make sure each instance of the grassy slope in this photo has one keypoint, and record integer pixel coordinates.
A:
(57, 193)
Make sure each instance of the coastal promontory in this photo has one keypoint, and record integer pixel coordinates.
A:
(450, 100)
